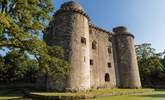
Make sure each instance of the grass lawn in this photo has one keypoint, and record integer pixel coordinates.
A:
(91, 92)
(157, 95)
(13, 94)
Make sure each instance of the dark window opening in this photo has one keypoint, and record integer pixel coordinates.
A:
(94, 45)
(107, 78)
(109, 65)
(109, 50)
(83, 40)
(91, 62)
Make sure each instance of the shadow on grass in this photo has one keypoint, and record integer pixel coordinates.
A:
(11, 94)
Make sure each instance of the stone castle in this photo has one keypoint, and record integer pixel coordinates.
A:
(98, 58)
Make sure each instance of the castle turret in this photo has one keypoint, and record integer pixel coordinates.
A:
(70, 29)
(128, 72)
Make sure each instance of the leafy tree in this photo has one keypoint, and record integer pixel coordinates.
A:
(144, 51)
(31, 74)
(2, 68)
(150, 66)
(150, 70)
(16, 66)
(21, 23)
(163, 59)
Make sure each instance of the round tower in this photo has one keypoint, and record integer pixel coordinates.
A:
(126, 58)
(70, 29)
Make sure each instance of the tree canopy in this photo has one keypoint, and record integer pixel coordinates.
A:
(21, 24)
(18, 67)
(152, 70)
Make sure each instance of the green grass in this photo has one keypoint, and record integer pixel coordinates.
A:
(157, 95)
(91, 92)
(13, 94)
(10, 98)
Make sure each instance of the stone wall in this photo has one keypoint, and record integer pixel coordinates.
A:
(70, 30)
(101, 56)
(126, 59)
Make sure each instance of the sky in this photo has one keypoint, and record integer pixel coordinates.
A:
(144, 18)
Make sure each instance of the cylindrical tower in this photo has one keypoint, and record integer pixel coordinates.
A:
(126, 58)
(70, 29)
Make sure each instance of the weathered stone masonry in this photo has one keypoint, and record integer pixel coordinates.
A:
(98, 58)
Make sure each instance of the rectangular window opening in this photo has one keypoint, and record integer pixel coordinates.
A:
(91, 62)
(109, 65)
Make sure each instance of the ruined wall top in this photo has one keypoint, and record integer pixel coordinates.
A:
(72, 6)
(99, 29)
(122, 30)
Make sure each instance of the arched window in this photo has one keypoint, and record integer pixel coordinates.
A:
(94, 45)
(107, 78)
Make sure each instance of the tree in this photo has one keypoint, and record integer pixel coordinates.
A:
(150, 66)
(16, 66)
(144, 51)
(21, 23)
(163, 59)
(2, 68)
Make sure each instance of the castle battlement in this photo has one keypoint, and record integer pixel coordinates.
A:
(99, 29)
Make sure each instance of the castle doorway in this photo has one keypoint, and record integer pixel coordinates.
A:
(107, 78)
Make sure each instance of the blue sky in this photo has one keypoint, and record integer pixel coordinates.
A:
(144, 18)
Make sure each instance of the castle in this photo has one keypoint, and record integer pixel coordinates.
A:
(98, 58)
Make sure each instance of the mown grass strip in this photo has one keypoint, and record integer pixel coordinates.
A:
(93, 93)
